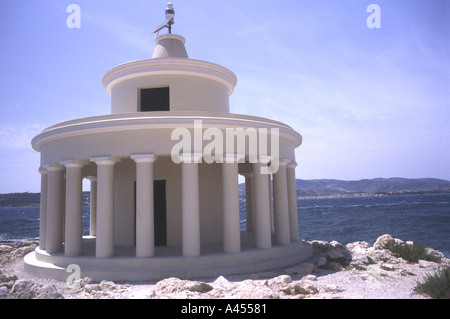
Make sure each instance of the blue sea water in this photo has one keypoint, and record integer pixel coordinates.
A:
(420, 218)
(423, 219)
(22, 223)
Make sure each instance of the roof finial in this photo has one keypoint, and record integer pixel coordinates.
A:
(170, 15)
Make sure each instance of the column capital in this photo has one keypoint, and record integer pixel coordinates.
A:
(74, 163)
(292, 164)
(104, 160)
(43, 170)
(92, 178)
(191, 157)
(54, 167)
(234, 158)
(247, 174)
(265, 159)
(284, 161)
(144, 158)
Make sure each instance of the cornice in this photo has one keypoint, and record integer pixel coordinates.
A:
(161, 120)
(164, 66)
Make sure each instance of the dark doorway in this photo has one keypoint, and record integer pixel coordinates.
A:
(160, 215)
(159, 195)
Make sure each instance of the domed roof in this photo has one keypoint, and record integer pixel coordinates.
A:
(170, 46)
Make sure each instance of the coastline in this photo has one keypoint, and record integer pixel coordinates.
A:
(335, 271)
(353, 195)
(299, 197)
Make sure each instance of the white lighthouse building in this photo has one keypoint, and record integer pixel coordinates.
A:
(164, 169)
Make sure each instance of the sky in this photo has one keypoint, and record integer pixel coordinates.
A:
(368, 90)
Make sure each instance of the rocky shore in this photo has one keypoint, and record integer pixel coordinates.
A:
(335, 271)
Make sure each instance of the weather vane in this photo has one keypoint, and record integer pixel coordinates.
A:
(170, 14)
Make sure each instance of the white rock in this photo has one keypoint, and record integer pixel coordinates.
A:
(249, 290)
(23, 289)
(378, 255)
(334, 266)
(331, 288)
(92, 287)
(107, 285)
(22, 251)
(221, 283)
(280, 280)
(383, 240)
(196, 286)
(5, 249)
(304, 268)
(320, 245)
(175, 285)
(336, 253)
(310, 278)
(427, 264)
(434, 253)
(337, 245)
(305, 288)
(322, 261)
(388, 267)
(221, 280)
(48, 292)
(358, 245)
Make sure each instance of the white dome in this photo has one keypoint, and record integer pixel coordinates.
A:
(170, 46)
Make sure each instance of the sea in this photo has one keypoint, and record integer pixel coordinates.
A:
(423, 219)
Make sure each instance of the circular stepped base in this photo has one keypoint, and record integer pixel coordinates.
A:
(129, 268)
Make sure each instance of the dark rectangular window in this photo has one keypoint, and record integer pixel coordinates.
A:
(156, 99)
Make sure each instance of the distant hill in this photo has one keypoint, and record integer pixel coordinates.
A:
(377, 186)
(27, 199)
(19, 199)
(305, 188)
(367, 187)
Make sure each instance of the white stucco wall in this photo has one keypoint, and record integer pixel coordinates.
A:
(187, 93)
(136, 133)
(210, 190)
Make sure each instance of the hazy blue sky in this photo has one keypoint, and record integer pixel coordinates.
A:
(369, 102)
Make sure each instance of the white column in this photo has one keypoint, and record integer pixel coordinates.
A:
(231, 220)
(93, 207)
(105, 207)
(262, 209)
(54, 229)
(43, 209)
(292, 199)
(74, 209)
(190, 205)
(249, 201)
(145, 229)
(281, 205)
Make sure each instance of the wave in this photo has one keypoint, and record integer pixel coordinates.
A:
(301, 207)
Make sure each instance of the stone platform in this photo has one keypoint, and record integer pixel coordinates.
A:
(168, 262)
